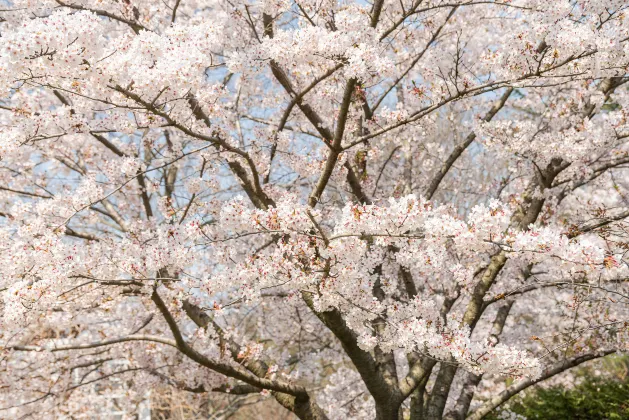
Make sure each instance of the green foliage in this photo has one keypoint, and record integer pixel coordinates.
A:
(611, 106)
(596, 397)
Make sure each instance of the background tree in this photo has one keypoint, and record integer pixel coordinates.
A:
(358, 209)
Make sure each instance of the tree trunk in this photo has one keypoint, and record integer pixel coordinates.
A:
(388, 411)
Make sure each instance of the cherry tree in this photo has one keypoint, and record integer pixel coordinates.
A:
(389, 209)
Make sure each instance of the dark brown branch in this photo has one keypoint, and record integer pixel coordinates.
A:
(362, 360)
(252, 188)
(146, 201)
(297, 100)
(459, 149)
(505, 395)
(303, 406)
(419, 56)
(174, 14)
(30, 194)
(135, 26)
(227, 369)
(461, 94)
(472, 380)
(330, 163)
(81, 235)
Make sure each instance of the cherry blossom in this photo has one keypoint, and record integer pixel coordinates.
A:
(348, 209)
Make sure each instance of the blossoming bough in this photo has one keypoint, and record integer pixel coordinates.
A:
(364, 210)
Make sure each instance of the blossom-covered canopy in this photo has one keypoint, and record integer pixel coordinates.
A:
(357, 209)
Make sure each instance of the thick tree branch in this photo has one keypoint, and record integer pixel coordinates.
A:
(459, 149)
(472, 380)
(303, 406)
(227, 369)
(134, 25)
(505, 395)
(362, 360)
(333, 154)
